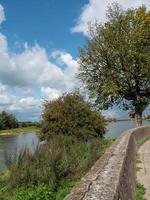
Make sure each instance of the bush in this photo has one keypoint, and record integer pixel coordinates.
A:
(7, 121)
(71, 115)
(40, 192)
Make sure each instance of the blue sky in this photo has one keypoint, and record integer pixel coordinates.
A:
(39, 42)
(47, 22)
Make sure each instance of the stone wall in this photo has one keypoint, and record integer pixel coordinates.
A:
(113, 176)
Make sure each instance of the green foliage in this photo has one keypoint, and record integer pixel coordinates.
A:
(40, 192)
(71, 115)
(7, 121)
(115, 62)
(29, 123)
(138, 161)
(58, 165)
(64, 190)
(140, 191)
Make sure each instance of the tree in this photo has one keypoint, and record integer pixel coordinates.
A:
(7, 121)
(72, 116)
(115, 62)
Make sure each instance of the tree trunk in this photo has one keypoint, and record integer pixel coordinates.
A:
(138, 119)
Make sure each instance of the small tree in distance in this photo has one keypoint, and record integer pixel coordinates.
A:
(72, 116)
(8, 121)
(115, 62)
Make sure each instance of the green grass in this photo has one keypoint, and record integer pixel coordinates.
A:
(20, 130)
(138, 161)
(64, 190)
(138, 169)
(140, 191)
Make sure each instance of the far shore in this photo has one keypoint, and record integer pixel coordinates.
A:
(19, 130)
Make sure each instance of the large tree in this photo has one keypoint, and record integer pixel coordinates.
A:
(115, 62)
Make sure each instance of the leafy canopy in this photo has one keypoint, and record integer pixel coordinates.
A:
(7, 121)
(115, 62)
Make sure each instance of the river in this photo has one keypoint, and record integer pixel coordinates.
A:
(114, 129)
(12, 144)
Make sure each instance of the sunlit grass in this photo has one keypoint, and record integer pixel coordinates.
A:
(20, 130)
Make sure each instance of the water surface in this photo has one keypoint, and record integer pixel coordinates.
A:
(115, 129)
(12, 145)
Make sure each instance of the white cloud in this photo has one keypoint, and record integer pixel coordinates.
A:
(95, 10)
(13, 102)
(32, 67)
(50, 93)
(71, 69)
(29, 73)
(29, 101)
(23, 108)
(3, 88)
(68, 80)
(6, 100)
(2, 14)
(3, 44)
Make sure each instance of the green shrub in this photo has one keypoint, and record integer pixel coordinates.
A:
(140, 191)
(40, 192)
(64, 190)
(7, 121)
(71, 115)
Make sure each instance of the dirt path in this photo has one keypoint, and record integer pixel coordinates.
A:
(143, 173)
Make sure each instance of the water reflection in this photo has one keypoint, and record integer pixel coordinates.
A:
(14, 143)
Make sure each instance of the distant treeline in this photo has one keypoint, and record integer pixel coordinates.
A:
(9, 121)
(28, 123)
(147, 117)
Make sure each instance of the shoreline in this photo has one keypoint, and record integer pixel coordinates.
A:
(16, 131)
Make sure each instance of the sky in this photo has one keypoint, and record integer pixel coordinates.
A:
(39, 50)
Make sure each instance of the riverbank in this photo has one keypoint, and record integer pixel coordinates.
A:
(52, 171)
(20, 130)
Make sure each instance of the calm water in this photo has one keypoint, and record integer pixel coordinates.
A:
(13, 144)
(114, 129)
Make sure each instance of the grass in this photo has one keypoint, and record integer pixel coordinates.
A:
(140, 191)
(19, 130)
(138, 169)
(52, 171)
(138, 161)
